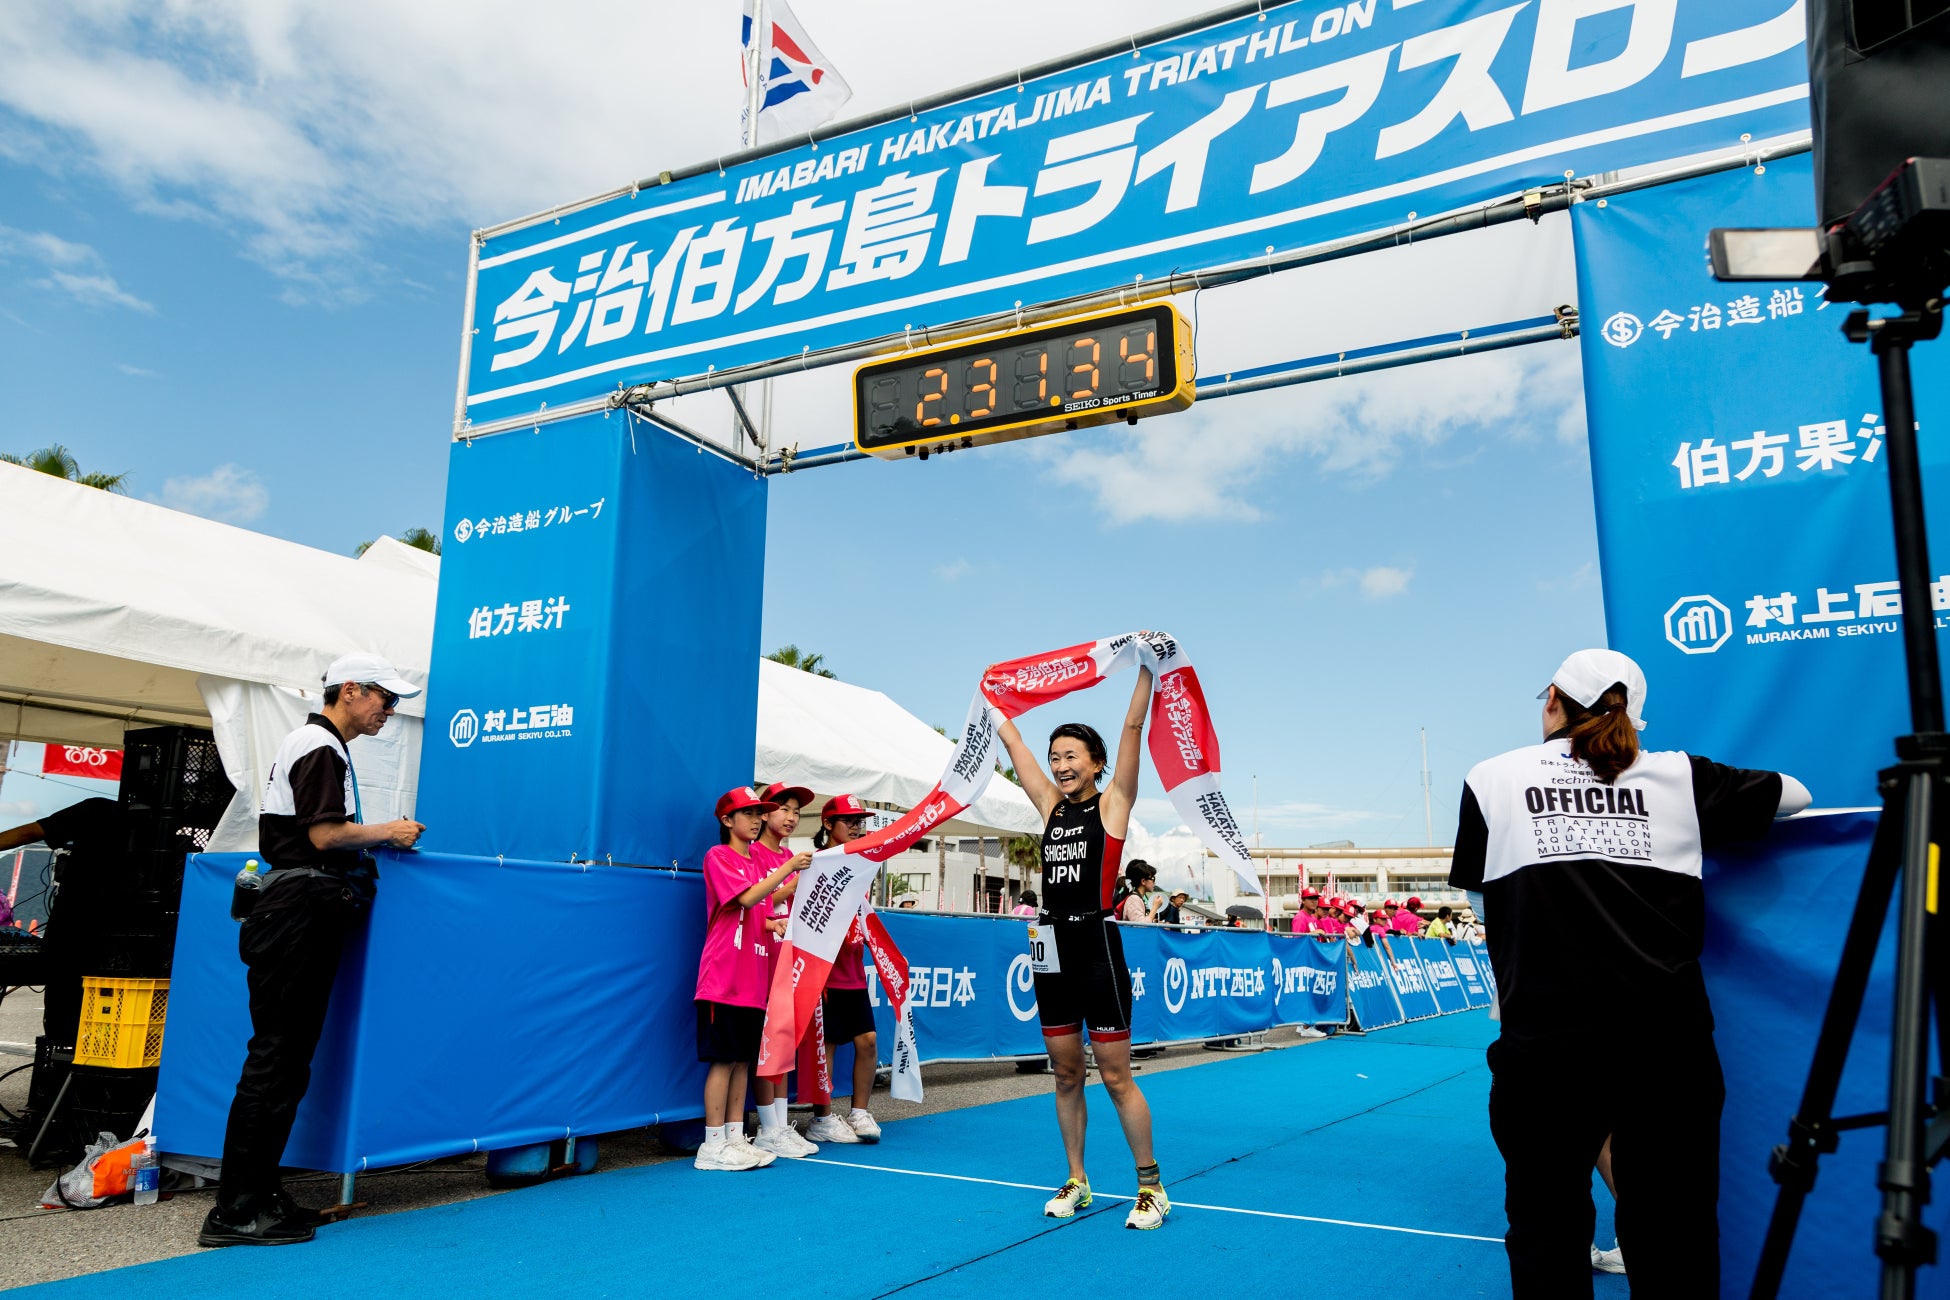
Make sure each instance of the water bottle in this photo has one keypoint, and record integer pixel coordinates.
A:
(244, 891)
(145, 1175)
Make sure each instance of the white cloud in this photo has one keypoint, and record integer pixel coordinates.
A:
(73, 269)
(1583, 576)
(953, 569)
(1383, 581)
(1203, 464)
(229, 494)
(140, 372)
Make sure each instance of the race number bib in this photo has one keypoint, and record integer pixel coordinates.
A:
(1042, 951)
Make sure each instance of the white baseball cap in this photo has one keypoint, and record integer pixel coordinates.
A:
(369, 669)
(1588, 674)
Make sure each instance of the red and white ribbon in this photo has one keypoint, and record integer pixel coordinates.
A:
(1184, 752)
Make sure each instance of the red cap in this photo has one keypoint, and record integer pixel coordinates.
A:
(843, 805)
(1310, 892)
(742, 798)
(1414, 904)
(1351, 908)
(778, 792)
(1357, 905)
(1389, 902)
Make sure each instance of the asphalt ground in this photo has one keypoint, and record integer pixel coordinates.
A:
(39, 1245)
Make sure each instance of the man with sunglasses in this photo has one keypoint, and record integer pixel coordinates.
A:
(319, 882)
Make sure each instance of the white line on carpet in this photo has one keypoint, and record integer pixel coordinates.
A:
(1176, 1205)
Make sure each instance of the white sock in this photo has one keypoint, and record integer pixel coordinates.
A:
(858, 1111)
(766, 1117)
(713, 1136)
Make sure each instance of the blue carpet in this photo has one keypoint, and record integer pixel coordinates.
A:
(1295, 1173)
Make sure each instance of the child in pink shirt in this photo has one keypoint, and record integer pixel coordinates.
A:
(733, 974)
(775, 1131)
(1408, 921)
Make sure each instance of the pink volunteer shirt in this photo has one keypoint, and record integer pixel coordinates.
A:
(850, 965)
(1304, 923)
(1408, 923)
(735, 966)
(773, 907)
(1332, 925)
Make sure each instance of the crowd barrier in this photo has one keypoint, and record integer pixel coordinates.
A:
(493, 1003)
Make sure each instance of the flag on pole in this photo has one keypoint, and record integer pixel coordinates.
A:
(798, 89)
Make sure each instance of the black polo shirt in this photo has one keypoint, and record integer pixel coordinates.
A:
(310, 785)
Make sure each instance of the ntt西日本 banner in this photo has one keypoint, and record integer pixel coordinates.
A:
(1308, 122)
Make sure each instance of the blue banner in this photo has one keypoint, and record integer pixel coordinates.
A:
(968, 977)
(1742, 493)
(1472, 968)
(1440, 969)
(1192, 984)
(1306, 981)
(594, 685)
(1271, 132)
(1371, 988)
(1405, 969)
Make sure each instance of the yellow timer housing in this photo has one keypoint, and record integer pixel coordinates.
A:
(1115, 365)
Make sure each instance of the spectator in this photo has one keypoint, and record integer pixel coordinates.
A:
(1440, 927)
(1025, 904)
(1171, 915)
(1138, 907)
(1408, 920)
(1468, 928)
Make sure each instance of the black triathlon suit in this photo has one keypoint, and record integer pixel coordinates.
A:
(1092, 986)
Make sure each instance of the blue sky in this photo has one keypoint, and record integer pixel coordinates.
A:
(231, 253)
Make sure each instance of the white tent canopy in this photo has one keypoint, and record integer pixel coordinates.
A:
(118, 613)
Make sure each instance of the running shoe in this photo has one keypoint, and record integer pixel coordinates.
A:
(784, 1140)
(1608, 1261)
(731, 1156)
(1072, 1196)
(1150, 1209)
(831, 1128)
(737, 1135)
(863, 1125)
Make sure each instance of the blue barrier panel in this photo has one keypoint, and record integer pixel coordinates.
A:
(1307, 983)
(592, 691)
(1440, 968)
(1192, 984)
(486, 1004)
(1470, 969)
(1370, 989)
(1485, 967)
(973, 995)
(1411, 981)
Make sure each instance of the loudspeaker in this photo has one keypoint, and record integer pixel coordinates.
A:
(1879, 92)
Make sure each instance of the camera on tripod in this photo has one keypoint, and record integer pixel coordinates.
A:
(1895, 247)
(1879, 88)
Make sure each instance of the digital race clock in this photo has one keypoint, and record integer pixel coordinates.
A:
(1117, 365)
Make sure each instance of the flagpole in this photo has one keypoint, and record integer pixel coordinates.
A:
(756, 65)
(1428, 815)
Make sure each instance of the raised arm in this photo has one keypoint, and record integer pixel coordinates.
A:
(1130, 749)
(764, 888)
(1041, 790)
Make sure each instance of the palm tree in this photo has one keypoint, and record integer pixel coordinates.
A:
(793, 657)
(419, 539)
(57, 460)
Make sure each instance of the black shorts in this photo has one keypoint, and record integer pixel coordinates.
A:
(1093, 987)
(728, 1034)
(848, 1015)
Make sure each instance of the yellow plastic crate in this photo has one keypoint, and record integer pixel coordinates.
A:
(121, 1022)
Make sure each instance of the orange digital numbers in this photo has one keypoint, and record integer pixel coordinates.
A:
(1078, 367)
(1146, 354)
(1031, 369)
(921, 407)
(983, 386)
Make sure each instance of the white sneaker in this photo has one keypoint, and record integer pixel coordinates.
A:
(1149, 1210)
(1308, 1031)
(864, 1126)
(730, 1156)
(831, 1128)
(1072, 1196)
(737, 1137)
(783, 1140)
(1608, 1261)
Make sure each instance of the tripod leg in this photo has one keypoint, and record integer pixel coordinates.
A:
(1901, 1239)
(1809, 1134)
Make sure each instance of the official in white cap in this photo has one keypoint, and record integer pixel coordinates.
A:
(320, 881)
(1587, 852)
